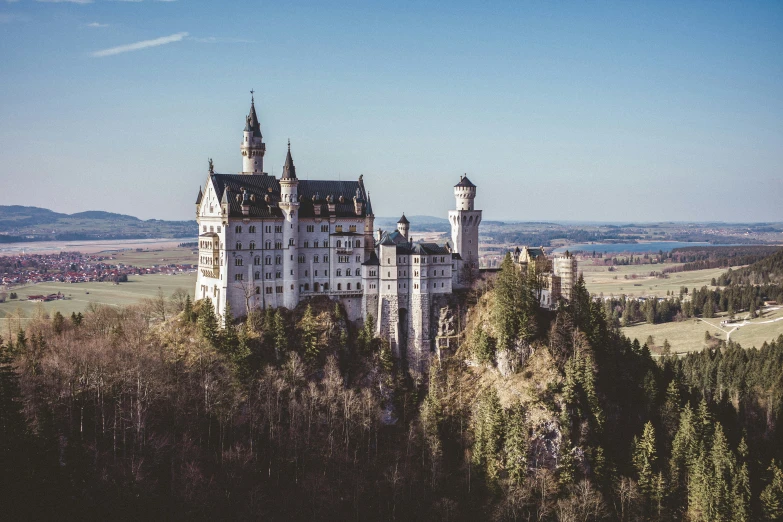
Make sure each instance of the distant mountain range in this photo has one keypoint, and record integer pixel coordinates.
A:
(19, 223)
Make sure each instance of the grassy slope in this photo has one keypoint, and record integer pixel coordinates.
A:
(136, 289)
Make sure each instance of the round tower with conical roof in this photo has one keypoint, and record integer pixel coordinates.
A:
(253, 146)
(289, 204)
(404, 227)
(465, 222)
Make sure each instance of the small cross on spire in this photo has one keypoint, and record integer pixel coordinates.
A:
(252, 97)
(289, 144)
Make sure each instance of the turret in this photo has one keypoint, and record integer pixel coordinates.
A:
(464, 193)
(465, 222)
(253, 146)
(289, 204)
(404, 226)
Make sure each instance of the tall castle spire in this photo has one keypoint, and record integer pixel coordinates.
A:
(253, 146)
(289, 170)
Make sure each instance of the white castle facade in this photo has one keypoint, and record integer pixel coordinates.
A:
(269, 242)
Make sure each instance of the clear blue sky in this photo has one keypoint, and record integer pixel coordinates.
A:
(556, 110)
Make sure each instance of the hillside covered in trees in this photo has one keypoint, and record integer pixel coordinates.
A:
(156, 412)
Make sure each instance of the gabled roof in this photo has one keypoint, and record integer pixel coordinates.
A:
(465, 182)
(264, 192)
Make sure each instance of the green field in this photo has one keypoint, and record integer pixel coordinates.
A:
(600, 281)
(79, 295)
(147, 258)
(688, 336)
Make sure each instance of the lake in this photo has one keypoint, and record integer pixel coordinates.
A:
(652, 246)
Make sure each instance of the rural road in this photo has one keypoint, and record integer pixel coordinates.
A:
(747, 323)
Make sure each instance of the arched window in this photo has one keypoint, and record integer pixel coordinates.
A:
(348, 286)
(357, 244)
(315, 287)
(339, 243)
(239, 246)
(258, 275)
(257, 260)
(339, 272)
(347, 271)
(252, 245)
(307, 286)
(326, 287)
(258, 288)
(358, 286)
(339, 286)
(268, 245)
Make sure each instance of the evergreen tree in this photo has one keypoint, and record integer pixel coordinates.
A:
(207, 322)
(740, 502)
(309, 335)
(516, 445)
(483, 347)
(488, 433)
(772, 495)
(644, 460)
(512, 308)
(58, 321)
(188, 312)
(720, 484)
(280, 336)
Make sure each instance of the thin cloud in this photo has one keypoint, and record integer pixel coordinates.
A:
(140, 45)
(219, 39)
(97, 24)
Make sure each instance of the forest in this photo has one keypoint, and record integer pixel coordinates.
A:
(157, 411)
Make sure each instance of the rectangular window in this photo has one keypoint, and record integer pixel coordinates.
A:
(269, 290)
(338, 228)
(279, 289)
(238, 261)
(311, 228)
(358, 259)
(268, 275)
(301, 258)
(279, 244)
(307, 244)
(237, 277)
(315, 259)
(279, 228)
(326, 259)
(352, 228)
(252, 230)
(268, 229)
(278, 275)
(324, 228)
(238, 229)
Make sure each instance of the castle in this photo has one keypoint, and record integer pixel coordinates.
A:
(268, 242)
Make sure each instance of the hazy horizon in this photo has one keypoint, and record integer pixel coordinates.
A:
(610, 113)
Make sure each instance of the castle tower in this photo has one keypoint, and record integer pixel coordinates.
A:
(404, 226)
(465, 223)
(253, 146)
(289, 204)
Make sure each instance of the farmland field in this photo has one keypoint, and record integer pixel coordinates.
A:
(688, 336)
(600, 280)
(147, 258)
(79, 295)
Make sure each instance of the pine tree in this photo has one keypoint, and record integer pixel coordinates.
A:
(720, 484)
(188, 312)
(513, 305)
(58, 321)
(772, 495)
(207, 322)
(483, 348)
(279, 334)
(488, 432)
(645, 459)
(740, 503)
(229, 340)
(309, 335)
(516, 445)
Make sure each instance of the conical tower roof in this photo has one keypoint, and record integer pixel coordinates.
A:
(289, 170)
(251, 123)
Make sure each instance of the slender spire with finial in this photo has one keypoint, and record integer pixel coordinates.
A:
(289, 171)
(252, 118)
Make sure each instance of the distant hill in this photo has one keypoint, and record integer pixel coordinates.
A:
(20, 223)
